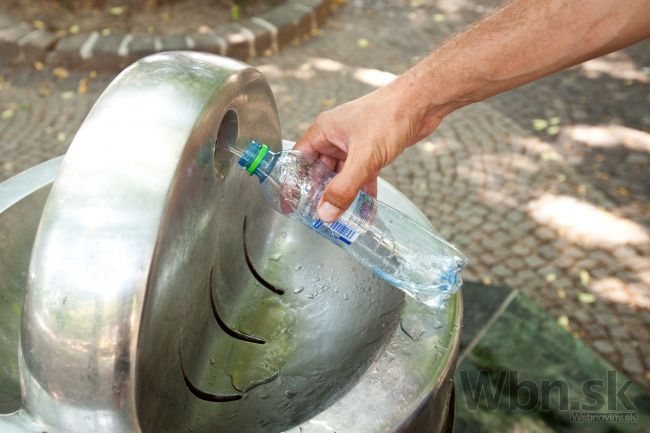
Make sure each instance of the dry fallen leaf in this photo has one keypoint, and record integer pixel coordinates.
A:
(539, 124)
(39, 66)
(586, 298)
(82, 87)
(7, 114)
(329, 102)
(67, 95)
(106, 31)
(438, 18)
(38, 24)
(60, 137)
(117, 10)
(563, 321)
(74, 29)
(363, 43)
(551, 155)
(550, 277)
(486, 280)
(93, 74)
(561, 178)
(584, 276)
(622, 191)
(553, 130)
(44, 90)
(235, 12)
(4, 84)
(60, 73)
(561, 293)
(603, 176)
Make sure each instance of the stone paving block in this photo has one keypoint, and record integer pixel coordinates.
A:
(322, 9)
(67, 49)
(534, 261)
(38, 46)
(173, 43)
(10, 36)
(263, 39)
(547, 252)
(289, 21)
(6, 21)
(239, 46)
(208, 42)
(633, 364)
(603, 346)
(105, 55)
(141, 46)
(501, 271)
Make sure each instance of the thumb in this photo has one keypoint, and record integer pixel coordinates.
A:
(343, 189)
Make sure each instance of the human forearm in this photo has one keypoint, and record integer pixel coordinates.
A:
(523, 41)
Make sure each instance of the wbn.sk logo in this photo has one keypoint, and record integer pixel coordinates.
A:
(602, 400)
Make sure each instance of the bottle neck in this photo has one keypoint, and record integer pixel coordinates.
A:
(258, 160)
(266, 165)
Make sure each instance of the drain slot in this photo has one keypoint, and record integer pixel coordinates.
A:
(256, 274)
(206, 396)
(233, 333)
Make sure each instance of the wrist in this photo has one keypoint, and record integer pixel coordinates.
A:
(427, 97)
(420, 105)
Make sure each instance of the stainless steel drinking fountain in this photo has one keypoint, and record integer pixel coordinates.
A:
(163, 294)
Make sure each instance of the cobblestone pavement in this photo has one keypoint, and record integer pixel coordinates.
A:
(545, 188)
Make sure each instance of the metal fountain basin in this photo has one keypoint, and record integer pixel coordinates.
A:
(147, 287)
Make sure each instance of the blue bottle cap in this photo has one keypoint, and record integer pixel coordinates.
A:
(253, 156)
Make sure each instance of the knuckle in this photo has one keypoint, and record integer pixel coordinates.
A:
(323, 118)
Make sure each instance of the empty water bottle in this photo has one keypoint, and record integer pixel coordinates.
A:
(395, 247)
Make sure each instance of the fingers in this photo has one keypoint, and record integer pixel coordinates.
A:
(315, 141)
(309, 141)
(370, 187)
(330, 162)
(343, 189)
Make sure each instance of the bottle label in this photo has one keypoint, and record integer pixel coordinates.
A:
(352, 223)
(344, 233)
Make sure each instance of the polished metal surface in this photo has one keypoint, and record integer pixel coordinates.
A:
(163, 295)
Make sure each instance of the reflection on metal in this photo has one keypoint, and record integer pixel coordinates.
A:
(205, 396)
(233, 333)
(256, 274)
(116, 333)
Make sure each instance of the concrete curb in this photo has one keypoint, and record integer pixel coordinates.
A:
(265, 34)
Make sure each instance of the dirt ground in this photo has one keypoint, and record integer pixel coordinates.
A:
(80, 16)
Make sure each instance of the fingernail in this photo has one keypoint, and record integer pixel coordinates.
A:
(328, 212)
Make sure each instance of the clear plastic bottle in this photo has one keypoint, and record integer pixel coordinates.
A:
(395, 247)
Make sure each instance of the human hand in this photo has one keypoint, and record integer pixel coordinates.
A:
(359, 138)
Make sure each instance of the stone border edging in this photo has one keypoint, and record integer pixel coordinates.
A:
(265, 34)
